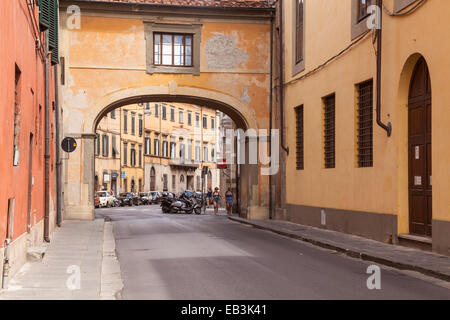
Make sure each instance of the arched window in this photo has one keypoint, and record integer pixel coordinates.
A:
(181, 178)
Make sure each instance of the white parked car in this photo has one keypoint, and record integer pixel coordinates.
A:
(106, 199)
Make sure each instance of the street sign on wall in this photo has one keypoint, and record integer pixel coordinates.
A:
(69, 144)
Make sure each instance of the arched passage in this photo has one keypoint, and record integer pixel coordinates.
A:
(240, 113)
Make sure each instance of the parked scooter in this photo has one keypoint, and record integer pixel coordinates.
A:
(166, 203)
(185, 204)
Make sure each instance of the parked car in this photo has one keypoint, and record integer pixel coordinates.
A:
(128, 199)
(106, 199)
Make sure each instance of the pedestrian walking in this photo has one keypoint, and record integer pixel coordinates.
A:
(208, 197)
(216, 199)
(229, 201)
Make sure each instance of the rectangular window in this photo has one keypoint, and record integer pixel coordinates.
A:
(156, 110)
(125, 154)
(173, 150)
(299, 35)
(172, 49)
(140, 156)
(197, 120)
(190, 150)
(213, 155)
(113, 143)
(105, 145)
(165, 148)
(147, 110)
(125, 121)
(299, 138)
(97, 144)
(172, 114)
(133, 155)
(182, 151)
(329, 135)
(113, 114)
(140, 126)
(213, 124)
(174, 182)
(363, 6)
(197, 151)
(133, 123)
(164, 112)
(156, 147)
(190, 118)
(365, 124)
(180, 116)
(205, 153)
(205, 122)
(147, 145)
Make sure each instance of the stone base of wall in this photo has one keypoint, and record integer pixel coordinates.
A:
(441, 237)
(18, 249)
(78, 213)
(379, 227)
(258, 213)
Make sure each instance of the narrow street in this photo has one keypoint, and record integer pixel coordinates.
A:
(210, 257)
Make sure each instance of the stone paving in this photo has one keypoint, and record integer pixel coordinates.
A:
(77, 248)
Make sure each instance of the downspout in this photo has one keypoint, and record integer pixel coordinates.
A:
(47, 146)
(58, 153)
(271, 115)
(281, 75)
(388, 127)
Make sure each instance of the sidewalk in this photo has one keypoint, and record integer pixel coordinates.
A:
(78, 247)
(428, 263)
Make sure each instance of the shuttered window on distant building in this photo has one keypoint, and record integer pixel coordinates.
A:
(329, 131)
(365, 124)
(299, 138)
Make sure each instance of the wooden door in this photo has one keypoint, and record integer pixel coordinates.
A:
(420, 174)
(152, 179)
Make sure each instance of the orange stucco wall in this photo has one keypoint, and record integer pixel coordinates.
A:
(17, 43)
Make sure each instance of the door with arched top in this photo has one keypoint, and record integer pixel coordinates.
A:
(152, 179)
(419, 140)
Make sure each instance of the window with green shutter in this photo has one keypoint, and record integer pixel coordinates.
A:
(53, 32)
(44, 14)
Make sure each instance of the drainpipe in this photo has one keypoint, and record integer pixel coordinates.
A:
(47, 146)
(58, 153)
(388, 127)
(271, 115)
(281, 74)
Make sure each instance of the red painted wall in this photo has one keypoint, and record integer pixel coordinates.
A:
(17, 47)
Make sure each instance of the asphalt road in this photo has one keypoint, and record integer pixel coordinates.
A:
(165, 256)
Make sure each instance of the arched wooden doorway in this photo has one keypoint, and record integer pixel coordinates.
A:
(152, 179)
(419, 143)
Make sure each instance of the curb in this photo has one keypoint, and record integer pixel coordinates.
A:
(349, 252)
(111, 279)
